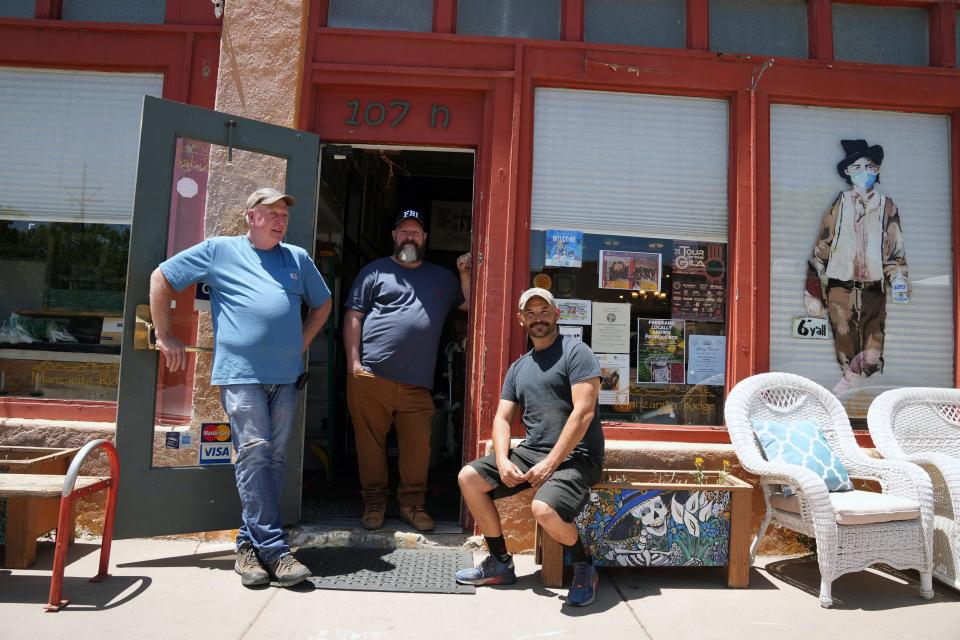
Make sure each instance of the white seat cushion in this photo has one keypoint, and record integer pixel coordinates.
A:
(858, 507)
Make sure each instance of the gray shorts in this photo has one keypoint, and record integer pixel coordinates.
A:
(567, 490)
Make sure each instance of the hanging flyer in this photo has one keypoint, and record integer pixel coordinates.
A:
(564, 249)
(699, 287)
(706, 359)
(631, 270)
(572, 331)
(610, 329)
(614, 378)
(660, 351)
(573, 311)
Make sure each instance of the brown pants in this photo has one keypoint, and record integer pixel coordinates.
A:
(858, 319)
(376, 403)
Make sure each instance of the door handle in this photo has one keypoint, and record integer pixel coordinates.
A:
(144, 336)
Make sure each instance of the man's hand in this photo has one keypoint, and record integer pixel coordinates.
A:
(509, 472)
(539, 473)
(812, 306)
(172, 349)
(464, 263)
(356, 368)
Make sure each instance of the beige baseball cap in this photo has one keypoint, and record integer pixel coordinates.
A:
(267, 195)
(537, 292)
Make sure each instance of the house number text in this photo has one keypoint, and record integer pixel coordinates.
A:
(375, 113)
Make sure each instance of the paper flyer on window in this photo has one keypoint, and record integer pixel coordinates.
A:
(706, 359)
(564, 248)
(660, 351)
(572, 331)
(610, 330)
(614, 378)
(574, 311)
(698, 283)
(631, 270)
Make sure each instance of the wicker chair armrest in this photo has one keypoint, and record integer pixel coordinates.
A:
(949, 468)
(896, 477)
(810, 488)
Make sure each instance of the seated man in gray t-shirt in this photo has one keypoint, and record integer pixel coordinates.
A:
(557, 383)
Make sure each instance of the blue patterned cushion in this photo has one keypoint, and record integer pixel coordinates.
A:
(802, 443)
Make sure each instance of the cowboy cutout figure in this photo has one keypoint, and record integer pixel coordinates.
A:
(858, 255)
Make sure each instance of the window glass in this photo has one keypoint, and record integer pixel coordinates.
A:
(409, 15)
(646, 23)
(511, 18)
(18, 8)
(885, 35)
(141, 11)
(68, 158)
(629, 220)
(882, 261)
(765, 27)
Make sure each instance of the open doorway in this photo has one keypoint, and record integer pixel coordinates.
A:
(364, 187)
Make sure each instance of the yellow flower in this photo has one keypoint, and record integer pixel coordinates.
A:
(698, 461)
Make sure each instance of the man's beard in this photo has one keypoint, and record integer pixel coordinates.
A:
(408, 251)
(541, 329)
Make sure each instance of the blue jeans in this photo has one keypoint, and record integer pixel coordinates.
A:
(261, 420)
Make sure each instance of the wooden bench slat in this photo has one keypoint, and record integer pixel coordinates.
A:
(32, 485)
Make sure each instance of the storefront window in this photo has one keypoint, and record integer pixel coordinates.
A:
(645, 23)
(885, 35)
(68, 158)
(861, 292)
(629, 222)
(18, 8)
(410, 15)
(765, 27)
(141, 11)
(510, 18)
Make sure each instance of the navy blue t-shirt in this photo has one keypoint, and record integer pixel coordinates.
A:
(404, 312)
(540, 382)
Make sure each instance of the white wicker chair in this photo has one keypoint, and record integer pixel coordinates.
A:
(922, 425)
(841, 548)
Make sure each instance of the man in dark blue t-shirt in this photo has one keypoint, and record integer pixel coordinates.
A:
(395, 315)
(558, 384)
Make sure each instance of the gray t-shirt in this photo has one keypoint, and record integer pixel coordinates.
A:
(404, 311)
(540, 381)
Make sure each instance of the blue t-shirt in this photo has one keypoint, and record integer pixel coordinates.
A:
(255, 300)
(404, 311)
(541, 381)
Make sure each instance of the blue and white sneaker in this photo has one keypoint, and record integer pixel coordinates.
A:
(583, 589)
(490, 571)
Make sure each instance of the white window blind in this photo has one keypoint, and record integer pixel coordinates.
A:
(805, 149)
(630, 164)
(69, 143)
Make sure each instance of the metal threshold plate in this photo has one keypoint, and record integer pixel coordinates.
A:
(402, 570)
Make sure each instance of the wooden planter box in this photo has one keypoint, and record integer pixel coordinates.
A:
(22, 520)
(661, 519)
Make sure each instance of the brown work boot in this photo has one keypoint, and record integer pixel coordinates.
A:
(249, 567)
(373, 513)
(288, 571)
(417, 516)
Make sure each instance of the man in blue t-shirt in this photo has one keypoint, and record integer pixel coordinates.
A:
(557, 384)
(395, 315)
(257, 285)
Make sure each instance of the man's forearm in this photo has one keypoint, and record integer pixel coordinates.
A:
(351, 337)
(161, 294)
(315, 321)
(465, 288)
(501, 438)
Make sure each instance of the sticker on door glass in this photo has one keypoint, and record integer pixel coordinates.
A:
(215, 446)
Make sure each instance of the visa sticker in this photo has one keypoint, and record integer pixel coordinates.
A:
(215, 445)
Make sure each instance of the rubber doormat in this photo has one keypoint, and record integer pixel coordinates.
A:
(403, 570)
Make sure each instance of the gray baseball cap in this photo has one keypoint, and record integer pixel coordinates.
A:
(537, 292)
(267, 195)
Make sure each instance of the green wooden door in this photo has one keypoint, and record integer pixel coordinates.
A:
(189, 155)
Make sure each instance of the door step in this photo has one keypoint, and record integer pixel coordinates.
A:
(395, 534)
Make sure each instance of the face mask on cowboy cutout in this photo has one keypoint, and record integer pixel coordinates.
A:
(863, 179)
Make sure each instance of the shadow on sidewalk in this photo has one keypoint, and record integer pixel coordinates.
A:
(222, 560)
(877, 588)
(84, 595)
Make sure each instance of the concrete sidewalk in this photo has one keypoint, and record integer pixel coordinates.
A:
(173, 589)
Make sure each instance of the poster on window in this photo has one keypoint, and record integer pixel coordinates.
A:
(660, 351)
(610, 329)
(573, 311)
(706, 359)
(564, 249)
(450, 225)
(614, 378)
(699, 286)
(572, 331)
(631, 270)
